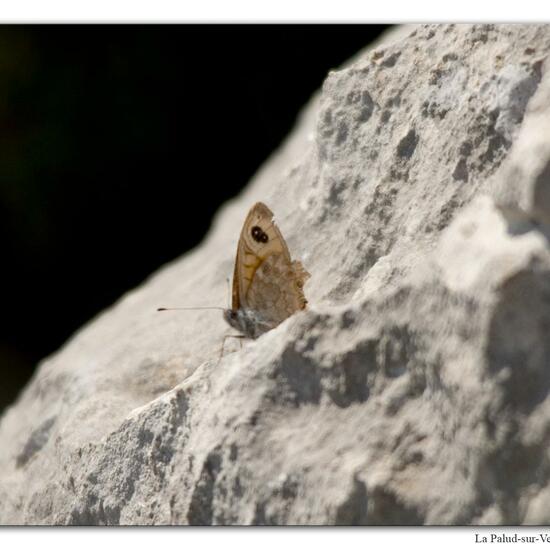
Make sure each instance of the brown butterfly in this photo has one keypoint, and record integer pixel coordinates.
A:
(267, 284)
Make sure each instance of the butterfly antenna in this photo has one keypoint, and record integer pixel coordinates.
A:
(187, 308)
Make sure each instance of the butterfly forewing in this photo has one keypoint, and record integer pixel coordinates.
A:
(259, 239)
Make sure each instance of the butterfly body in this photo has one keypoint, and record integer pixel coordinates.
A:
(267, 284)
(247, 321)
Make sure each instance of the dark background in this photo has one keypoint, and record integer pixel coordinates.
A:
(114, 138)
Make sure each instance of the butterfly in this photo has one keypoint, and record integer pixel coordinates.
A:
(268, 286)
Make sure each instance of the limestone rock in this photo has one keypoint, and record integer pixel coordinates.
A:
(415, 388)
(523, 190)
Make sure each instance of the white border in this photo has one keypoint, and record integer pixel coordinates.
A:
(264, 538)
(255, 538)
(271, 11)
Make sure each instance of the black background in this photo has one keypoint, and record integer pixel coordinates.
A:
(115, 138)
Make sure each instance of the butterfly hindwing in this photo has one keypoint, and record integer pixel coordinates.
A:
(277, 288)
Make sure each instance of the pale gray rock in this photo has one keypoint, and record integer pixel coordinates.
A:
(415, 388)
(523, 190)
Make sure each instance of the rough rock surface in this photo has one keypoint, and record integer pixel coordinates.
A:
(414, 390)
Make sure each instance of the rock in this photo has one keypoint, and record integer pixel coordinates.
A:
(415, 388)
(523, 189)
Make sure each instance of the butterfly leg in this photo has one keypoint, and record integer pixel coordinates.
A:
(240, 336)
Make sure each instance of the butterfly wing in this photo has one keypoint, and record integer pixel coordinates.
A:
(265, 279)
(252, 250)
(276, 291)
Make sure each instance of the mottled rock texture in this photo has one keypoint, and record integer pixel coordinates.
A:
(414, 390)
